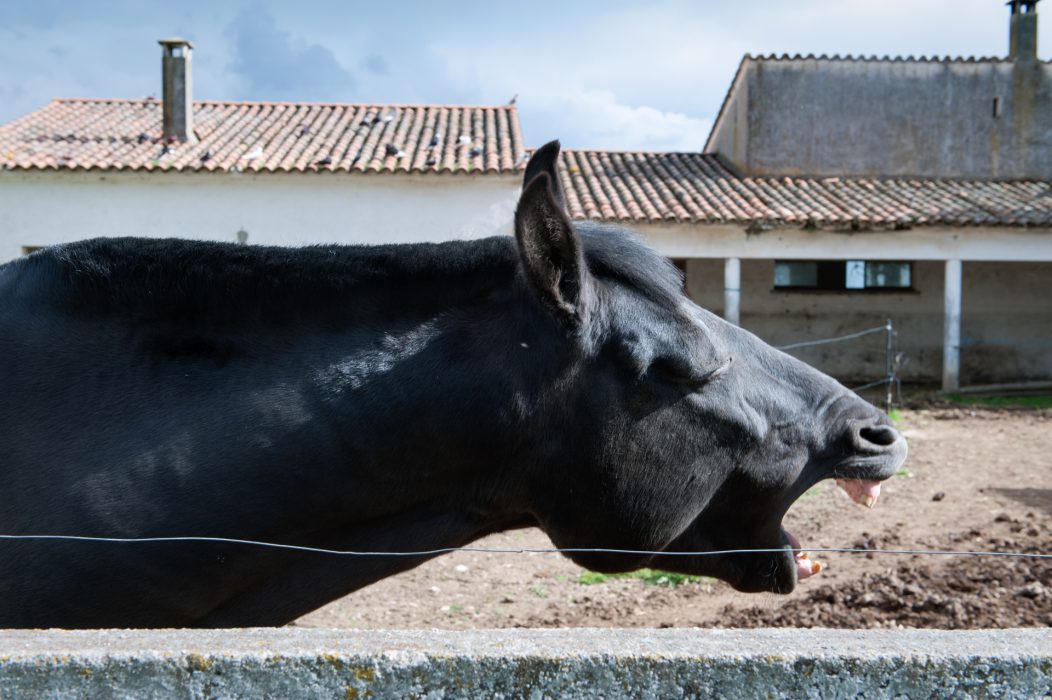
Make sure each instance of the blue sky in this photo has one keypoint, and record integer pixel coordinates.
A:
(594, 74)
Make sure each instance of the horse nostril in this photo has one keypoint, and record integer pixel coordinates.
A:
(881, 435)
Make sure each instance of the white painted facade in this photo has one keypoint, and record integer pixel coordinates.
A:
(44, 208)
(975, 243)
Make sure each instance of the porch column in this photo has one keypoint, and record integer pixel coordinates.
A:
(951, 329)
(732, 290)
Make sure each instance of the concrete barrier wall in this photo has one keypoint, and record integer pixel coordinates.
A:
(304, 663)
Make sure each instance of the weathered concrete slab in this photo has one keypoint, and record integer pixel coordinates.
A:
(304, 663)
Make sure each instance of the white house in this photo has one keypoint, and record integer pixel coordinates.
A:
(800, 258)
(256, 172)
(837, 192)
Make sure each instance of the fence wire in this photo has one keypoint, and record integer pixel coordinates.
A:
(513, 550)
(871, 385)
(837, 339)
(892, 360)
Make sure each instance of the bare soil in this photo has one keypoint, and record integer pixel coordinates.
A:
(977, 479)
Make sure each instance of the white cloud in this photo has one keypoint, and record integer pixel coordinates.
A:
(582, 85)
(596, 119)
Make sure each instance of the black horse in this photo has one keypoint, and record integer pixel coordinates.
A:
(395, 398)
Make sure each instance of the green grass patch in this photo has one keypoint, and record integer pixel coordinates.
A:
(895, 415)
(1035, 402)
(590, 578)
(651, 577)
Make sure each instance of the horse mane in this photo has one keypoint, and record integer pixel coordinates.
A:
(182, 280)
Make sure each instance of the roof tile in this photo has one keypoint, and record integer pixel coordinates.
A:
(94, 134)
(636, 187)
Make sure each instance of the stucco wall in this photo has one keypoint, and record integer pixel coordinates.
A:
(681, 663)
(1006, 325)
(45, 208)
(887, 118)
(1006, 329)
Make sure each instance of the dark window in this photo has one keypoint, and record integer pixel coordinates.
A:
(842, 274)
(889, 275)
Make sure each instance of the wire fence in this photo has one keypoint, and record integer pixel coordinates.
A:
(892, 360)
(836, 339)
(516, 550)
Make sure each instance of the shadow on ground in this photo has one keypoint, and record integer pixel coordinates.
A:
(1034, 498)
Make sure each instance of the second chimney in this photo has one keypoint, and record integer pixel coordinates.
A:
(1022, 42)
(178, 89)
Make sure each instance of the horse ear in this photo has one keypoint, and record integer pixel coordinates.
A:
(551, 252)
(545, 160)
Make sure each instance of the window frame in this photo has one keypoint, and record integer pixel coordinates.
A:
(831, 276)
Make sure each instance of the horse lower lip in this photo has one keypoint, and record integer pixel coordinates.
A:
(805, 566)
(862, 491)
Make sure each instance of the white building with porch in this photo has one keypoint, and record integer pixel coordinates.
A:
(838, 192)
(255, 172)
(956, 264)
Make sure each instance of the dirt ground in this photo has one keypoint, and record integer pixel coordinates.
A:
(976, 479)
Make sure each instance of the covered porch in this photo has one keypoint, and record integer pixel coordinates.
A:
(983, 289)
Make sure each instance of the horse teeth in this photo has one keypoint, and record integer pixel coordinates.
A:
(863, 492)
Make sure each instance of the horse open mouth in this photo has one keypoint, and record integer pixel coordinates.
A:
(865, 492)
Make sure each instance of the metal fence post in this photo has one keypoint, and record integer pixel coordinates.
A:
(889, 364)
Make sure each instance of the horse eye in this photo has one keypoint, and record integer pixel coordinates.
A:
(677, 371)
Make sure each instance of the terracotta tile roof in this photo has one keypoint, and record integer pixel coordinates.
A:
(266, 136)
(698, 188)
